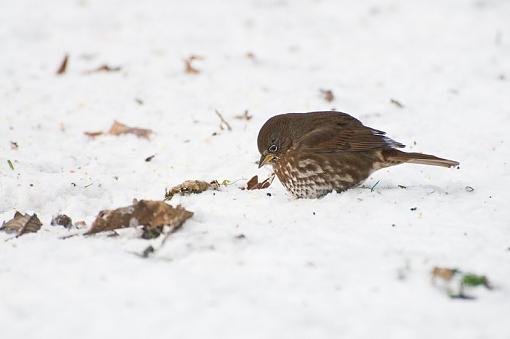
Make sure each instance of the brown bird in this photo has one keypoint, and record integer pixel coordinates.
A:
(315, 153)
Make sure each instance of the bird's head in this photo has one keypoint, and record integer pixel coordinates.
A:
(275, 138)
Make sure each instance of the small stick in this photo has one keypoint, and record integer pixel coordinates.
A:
(223, 121)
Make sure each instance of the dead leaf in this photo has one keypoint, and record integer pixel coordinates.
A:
(149, 213)
(63, 65)
(104, 68)
(149, 158)
(93, 134)
(14, 145)
(62, 220)
(245, 116)
(191, 186)
(21, 224)
(188, 63)
(254, 184)
(119, 128)
(443, 273)
(327, 95)
(250, 55)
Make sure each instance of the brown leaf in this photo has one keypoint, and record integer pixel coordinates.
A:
(63, 65)
(188, 63)
(149, 213)
(327, 95)
(14, 145)
(254, 184)
(21, 224)
(104, 68)
(443, 273)
(191, 186)
(93, 134)
(119, 128)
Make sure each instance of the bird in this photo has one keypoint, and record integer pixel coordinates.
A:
(315, 153)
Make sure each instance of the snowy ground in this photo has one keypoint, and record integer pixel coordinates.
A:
(351, 265)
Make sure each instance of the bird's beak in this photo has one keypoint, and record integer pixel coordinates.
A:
(265, 159)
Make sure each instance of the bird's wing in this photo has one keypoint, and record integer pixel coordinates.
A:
(351, 137)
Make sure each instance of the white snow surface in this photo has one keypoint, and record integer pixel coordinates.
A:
(350, 265)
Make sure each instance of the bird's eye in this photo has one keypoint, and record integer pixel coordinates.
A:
(273, 148)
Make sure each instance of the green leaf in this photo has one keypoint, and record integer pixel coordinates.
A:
(473, 280)
(10, 164)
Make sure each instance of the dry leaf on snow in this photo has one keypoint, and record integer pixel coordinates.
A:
(119, 128)
(104, 68)
(191, 186)
(443, 273)
(149, 213)
(22, 223)
(188, 64)
(63, 65)
(254, 184)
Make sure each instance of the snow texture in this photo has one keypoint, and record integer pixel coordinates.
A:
(350, 265)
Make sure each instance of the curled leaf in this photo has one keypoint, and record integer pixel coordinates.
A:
(191, 186)
(149, 213)
(21, 224)
(254, 184)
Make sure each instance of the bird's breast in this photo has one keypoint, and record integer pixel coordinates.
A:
(313, 176)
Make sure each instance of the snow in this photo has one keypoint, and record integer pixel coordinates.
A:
(350, 265)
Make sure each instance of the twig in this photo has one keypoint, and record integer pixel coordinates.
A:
(69, 236)
(396, 103)
(223, 122)
(372, 188)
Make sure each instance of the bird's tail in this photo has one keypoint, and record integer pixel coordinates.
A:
(394, 156)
